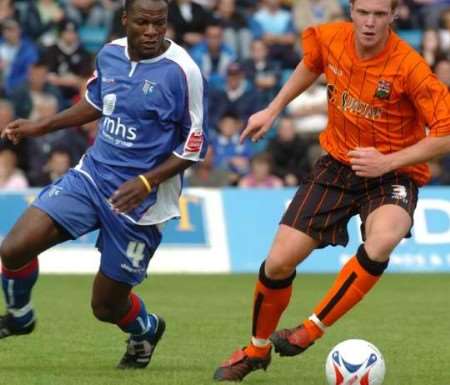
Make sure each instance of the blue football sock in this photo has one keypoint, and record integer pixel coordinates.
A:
(17, 286)
(137, 322)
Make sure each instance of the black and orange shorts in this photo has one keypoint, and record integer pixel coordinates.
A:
(332, 193)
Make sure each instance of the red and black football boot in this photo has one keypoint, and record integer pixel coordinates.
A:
(290, 342)
(239, 365)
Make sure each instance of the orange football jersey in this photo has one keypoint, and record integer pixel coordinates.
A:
(383, 102)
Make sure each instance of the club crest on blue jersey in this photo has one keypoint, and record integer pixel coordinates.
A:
(54, 191)
(148, 86)
(383, 89)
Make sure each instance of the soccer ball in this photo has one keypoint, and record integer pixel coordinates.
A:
(355, 362)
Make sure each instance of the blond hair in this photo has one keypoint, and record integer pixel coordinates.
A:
(394, 3)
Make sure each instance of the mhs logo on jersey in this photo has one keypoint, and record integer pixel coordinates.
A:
(116, 128)
(399, 192)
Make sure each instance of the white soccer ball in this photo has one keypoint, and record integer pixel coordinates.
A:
(355, 362)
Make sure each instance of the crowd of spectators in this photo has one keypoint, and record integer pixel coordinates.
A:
(246, 49)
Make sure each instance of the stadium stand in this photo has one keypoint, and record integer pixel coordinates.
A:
(246, 48)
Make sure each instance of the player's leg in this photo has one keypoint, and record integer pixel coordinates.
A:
(271, 297)
(62, 211)
(114, 302)
(306, 224)
(33, 233)
(126, 250)
(386, 221)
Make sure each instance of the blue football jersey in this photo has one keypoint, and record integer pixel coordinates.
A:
(150, 109)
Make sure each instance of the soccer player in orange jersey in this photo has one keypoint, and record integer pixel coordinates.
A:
(382, 95)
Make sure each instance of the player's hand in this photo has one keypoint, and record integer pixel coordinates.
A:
(19, 129)
(128, 196)
(258, 125)
(368, 162)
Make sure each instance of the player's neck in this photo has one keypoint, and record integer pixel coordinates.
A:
(365, 53)
(135, 56)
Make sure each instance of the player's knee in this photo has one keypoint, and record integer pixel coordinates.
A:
(104, 311)
(8, 253)
(277, 269)
(380, 246)
(374, 267)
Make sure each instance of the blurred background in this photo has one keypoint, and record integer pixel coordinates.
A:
(246, 50)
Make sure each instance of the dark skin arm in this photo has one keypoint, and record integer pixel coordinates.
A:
(131, 194)
(77, 115)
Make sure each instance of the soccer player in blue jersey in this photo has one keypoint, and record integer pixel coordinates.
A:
(150, 99)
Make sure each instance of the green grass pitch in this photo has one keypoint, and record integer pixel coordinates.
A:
(208, 316)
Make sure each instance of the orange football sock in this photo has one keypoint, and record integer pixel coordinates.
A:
(257, 351)
(270, 300)
(354, 281)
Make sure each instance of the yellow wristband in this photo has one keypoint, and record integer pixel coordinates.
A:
(146, 182)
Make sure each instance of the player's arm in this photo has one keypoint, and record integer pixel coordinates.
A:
(432, 100)
(261, 122)
(77, 115)
(369, 162)
(131, 193)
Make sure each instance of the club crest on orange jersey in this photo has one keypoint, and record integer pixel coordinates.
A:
(383, 90)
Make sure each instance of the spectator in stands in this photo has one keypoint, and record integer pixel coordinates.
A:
(189, 20)
(236, 30)
(204, 174)
(310, 109)
(444, 31)
(17, 54)
(275, 26)
(289, 153)
(309, 12)
(58, 163)
(229, 154)
(68, 62)
(431, 46)
(442, 70)
(39, 148)
(40, 20)
(207, 4)
(116, 29)
(213, 56)
(406, 19)
(260, 173)
(6, 112)
(430, 11)
(262, 72)
(11, 177)
(239, 97)
(93, 21)
(249, 6)
(8, 10)
(421, 13)
(7, 115)
(37, 86)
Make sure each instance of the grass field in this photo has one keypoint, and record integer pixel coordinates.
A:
(407, 317)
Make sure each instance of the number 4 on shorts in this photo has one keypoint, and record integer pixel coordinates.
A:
(135, 252)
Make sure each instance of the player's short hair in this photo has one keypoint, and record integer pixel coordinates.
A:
(394, 3)
(129, 3)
